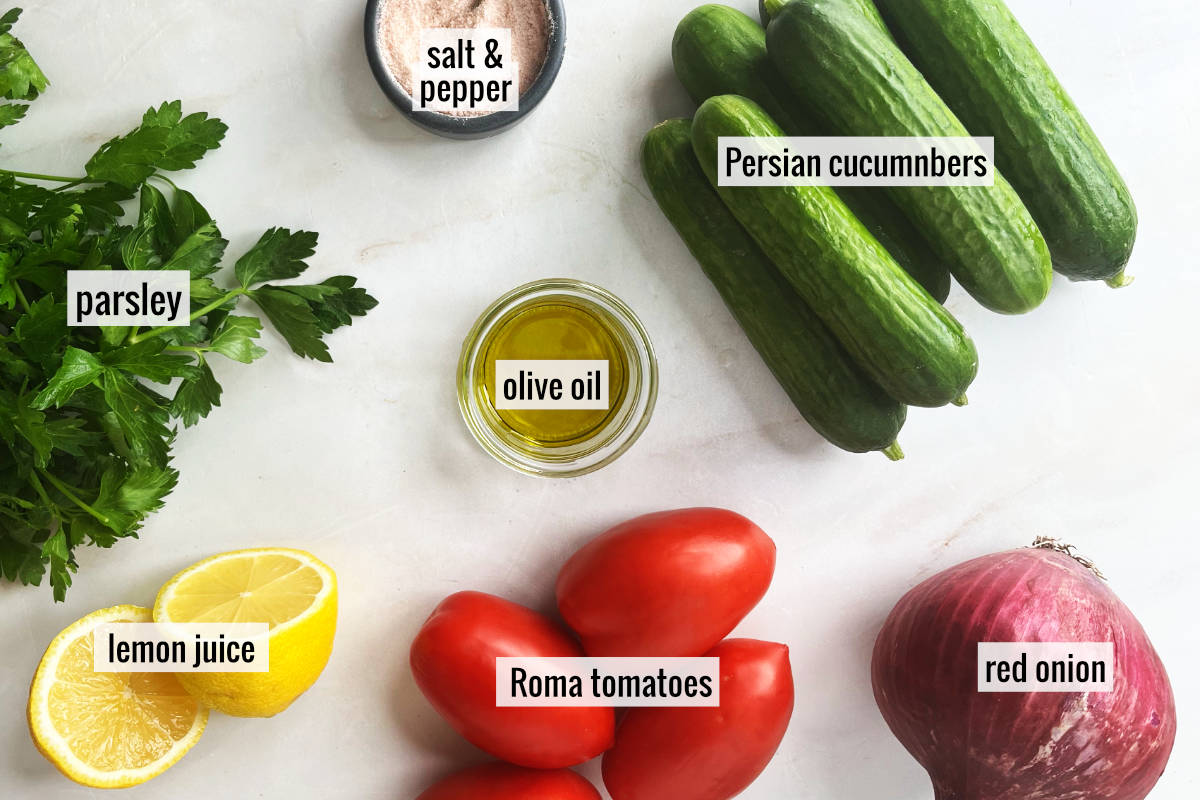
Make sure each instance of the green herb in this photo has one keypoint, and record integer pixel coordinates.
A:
(85, 435)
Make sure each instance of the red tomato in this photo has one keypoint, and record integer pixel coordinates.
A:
(668, 584)
(506, 782)
(707, 753)
(454, 662)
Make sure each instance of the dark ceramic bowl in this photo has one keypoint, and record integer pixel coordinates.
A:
(467, 127)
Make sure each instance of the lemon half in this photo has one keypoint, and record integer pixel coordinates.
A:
(108, 729)
(290, 590)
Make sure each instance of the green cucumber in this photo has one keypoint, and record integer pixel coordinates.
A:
(983, 64)
(720, 50)
(823, 382)
(840, 62)
(767, 9)
(908, 343)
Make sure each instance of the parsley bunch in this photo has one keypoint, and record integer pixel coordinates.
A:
(85, 440)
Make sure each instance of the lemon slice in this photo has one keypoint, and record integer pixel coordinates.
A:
(290, 590)
(108, 729)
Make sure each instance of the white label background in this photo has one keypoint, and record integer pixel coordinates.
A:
(702, 666)
(565, 370)
(1009, 652)
(108, 281)
(826, 147)
(153, 632)
(442, 38)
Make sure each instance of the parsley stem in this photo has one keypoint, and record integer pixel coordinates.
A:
(166, 180)
(37, 176)
(213, 306)
(41, 491)
(62, 487)
(21, 296)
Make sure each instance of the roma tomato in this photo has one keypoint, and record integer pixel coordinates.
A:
(668, 584)
(707, 753)
(506, 782)
(454, 662)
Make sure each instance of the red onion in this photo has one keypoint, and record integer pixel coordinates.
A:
(1022, 746)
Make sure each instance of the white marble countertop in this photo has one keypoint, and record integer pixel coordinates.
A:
(1082, 423)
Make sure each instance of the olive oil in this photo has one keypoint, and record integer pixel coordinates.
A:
(555, 327)
(576, 372)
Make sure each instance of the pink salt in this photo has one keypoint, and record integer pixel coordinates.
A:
(402, 20)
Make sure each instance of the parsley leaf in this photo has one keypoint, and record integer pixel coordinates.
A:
(29, 424)
(187, 215)
(303, 314)
(20, 559)
(235, 337)
(79, 368)
(85, 438)
(60, 572)
(20, 76)
(139, 249)
(188, 138)
(200, 253)
(148, 360)
(294, 319)
(40, 331)
(127, 496)
(8, 19)
(196, 397)
(166, 140)
(70, 435)
(140, 418)
(205, 291)
(277, 255)
(12, 113)
(339, 307)
(130, 159)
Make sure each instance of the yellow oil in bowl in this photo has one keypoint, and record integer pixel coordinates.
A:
(548, 322)
(556, 328)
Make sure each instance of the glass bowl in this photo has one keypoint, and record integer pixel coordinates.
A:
(620, 428)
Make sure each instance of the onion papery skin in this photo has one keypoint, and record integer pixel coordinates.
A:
(1022, 746)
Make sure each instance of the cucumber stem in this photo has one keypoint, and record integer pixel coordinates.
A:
(960, 401)
(893, 451)
(1120, 280)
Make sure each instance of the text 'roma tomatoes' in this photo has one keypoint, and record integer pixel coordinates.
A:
(454, 663)
(668, 584)
(707, 753)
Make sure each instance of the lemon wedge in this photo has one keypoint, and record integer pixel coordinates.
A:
(108, 730)
(290, 590)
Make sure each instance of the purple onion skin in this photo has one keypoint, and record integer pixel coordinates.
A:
(1022, 746)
